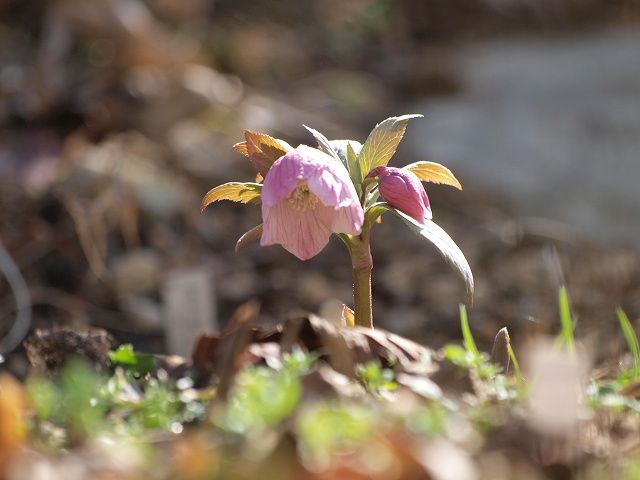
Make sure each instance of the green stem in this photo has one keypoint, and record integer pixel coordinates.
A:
(362, 265)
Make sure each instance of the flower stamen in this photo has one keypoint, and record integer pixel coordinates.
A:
(302, 199)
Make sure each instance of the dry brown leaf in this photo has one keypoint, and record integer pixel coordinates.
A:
(263, 150)
(221, 354)
(343, 348)
(241, 148)
(499, 352)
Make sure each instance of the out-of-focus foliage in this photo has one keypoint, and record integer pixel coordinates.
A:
(292, 415)
(262, 399)
(135, 362)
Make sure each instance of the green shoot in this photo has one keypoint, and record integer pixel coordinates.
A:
(632, 340)
(514, 361)
(470, 356)
(567, 323)
(376, 378)
(467, 337)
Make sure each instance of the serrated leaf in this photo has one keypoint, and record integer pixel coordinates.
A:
(262, 150)
(324, 144)
(234, 191)
(383, 142)
(241, 148)
(445, 245)
(249, 237)
(434, 173)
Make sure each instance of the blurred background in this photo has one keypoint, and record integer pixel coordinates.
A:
(116, 117)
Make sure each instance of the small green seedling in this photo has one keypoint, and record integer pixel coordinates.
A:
(632, 340)
(567, 323)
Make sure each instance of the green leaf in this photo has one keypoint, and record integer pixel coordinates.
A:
(138, 363)
(347, 151)
(330, 427)
(234, 191)
(324, 144)
(376, 378)
(631, 338)
(467, 336)
(434, 173)
(340, 146)
(514, 359)
(352, 164)
(44, 397)
(262, 149)
(81, 409)
(432, 232)
(248, 237)
(373, 212)
(456, 355)
(429, 420)
(567, 324)
(299, 361)
(445, 246)
(346, 239)
(383, 142)
(261, 398)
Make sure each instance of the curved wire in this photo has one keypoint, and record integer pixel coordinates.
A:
(22, 323)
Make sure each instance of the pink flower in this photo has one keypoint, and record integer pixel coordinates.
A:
(403, 190)
(306, 196)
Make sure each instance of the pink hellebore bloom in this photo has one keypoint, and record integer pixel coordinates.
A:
(403, 190)
(306, 196)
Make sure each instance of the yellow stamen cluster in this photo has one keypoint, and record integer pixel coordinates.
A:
(302, 198)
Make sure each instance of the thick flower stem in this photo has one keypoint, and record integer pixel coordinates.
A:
(362, 266)
(362, 297)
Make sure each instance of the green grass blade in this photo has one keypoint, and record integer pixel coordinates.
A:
(632, 340)
(567, 324)
(514, 361)
(467, 337)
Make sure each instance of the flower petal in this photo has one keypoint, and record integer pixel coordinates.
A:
(281, 179)
(326, 187)
(332, 185)
(303, 233)
(348, 220)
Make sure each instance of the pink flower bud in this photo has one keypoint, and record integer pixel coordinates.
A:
(403, 190)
